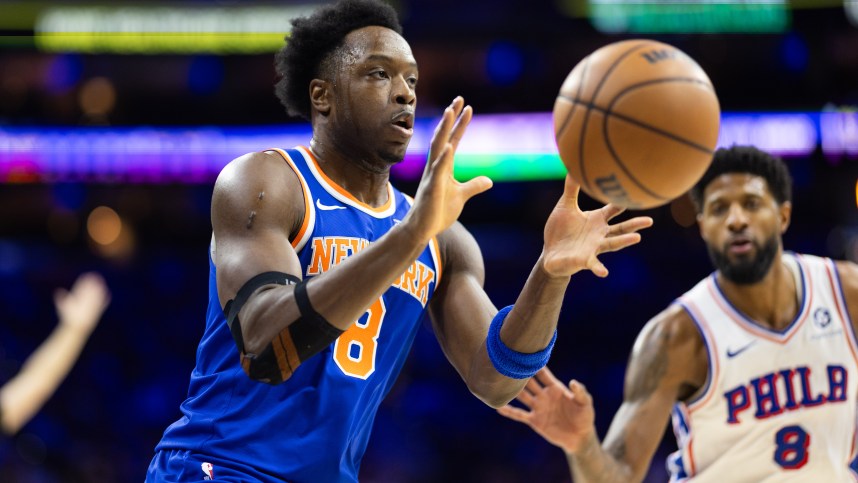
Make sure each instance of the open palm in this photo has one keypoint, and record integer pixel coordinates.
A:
(574, 239)
(564, 416)
(440, 198)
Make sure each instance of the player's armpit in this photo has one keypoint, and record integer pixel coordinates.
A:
(668, 363)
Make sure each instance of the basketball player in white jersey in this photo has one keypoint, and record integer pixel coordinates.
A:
(756, 365)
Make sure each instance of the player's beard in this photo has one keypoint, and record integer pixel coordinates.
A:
(746, 270)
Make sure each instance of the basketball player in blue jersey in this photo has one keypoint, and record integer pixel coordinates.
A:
(321, 271)
(756, 365)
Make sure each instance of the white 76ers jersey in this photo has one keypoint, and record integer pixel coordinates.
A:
(778, 405)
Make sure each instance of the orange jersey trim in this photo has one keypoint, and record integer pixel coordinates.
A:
(342, 191)
(436, 249)
(307, 201)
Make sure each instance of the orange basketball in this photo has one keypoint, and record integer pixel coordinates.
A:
(636, 123)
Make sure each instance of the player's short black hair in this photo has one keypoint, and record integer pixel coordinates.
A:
(313, 41)
(746, 159)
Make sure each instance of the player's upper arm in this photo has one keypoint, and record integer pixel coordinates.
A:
(668, 363)
(460, 309)
(848, 272)
(257, 204)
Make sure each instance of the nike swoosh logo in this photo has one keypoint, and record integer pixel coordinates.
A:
(731, 353)
(320, 206)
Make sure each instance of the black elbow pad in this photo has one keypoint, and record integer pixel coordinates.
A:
(300, 340)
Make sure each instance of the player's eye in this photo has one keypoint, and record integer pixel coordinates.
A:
(717, 208)
(380, 74)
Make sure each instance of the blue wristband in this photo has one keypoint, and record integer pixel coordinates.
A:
(510, 363)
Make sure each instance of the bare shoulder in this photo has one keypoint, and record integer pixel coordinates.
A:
(264, 172)
(669, 353)
(671, 327)
(848, 272)
(257, 189)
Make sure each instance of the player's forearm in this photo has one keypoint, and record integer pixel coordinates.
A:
(40, 375)
(530, 326)
(593, 464)
(341, 293)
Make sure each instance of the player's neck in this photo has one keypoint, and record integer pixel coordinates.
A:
(363, 179)
(773, 302)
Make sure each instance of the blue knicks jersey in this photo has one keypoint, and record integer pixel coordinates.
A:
(313, 427)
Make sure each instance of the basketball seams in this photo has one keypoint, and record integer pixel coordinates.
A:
(674, 119)
(622, 166)
(610, 113)
(577, 94)
(654, 129)
(581, 135)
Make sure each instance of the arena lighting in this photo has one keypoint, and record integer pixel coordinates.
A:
(154, 29)
(507, 147)
(704, 16)
(851, 8)
(839, 133)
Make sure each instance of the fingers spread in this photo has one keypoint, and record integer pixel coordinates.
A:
(532, 386)
(461, 124)
(444, 160)
(571, 189)
(616, 243)
(546, 377)
(457, 104)
(610, 210)
(629, 226)
(597, 268)
(579, 392)
(442, 131)
(514, 413)
(476, 186)
(526, 398)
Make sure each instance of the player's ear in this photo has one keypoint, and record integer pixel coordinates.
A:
(785, 212)
(320, 96)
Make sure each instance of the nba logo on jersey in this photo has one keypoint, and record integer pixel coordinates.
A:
(821, 317)
(208, 469)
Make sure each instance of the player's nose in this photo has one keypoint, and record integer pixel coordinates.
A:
(737, 217)
(404, 93)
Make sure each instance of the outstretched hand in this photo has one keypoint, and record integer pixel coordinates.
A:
(81, 307)
(440, 198)
(574, 239)
(563, 416)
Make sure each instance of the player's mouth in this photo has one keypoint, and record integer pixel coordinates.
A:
(403, 122)
(740, 245)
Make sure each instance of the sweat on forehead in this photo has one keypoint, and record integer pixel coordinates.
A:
(372, 41)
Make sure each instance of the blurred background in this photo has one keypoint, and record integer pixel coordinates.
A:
(115, 118)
